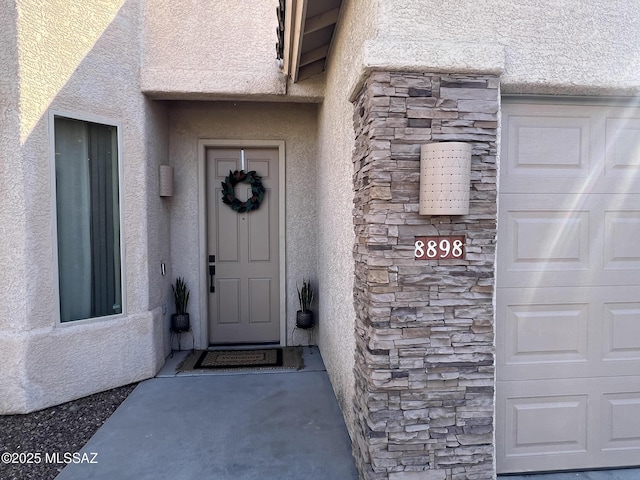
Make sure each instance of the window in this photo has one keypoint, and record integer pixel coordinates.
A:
(88, 219)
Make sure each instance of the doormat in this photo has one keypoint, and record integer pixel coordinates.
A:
(257, 359)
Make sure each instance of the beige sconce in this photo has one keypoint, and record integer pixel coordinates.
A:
(445, 177)
(166, 181)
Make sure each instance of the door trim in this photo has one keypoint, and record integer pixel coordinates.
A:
(203, 144)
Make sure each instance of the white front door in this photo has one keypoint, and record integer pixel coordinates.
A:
(243, 250)
(568, 288)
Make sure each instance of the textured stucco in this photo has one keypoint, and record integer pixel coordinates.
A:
(543, 46)
(550, 46)
(204, 50)
(90, 91)
(293, 123)
(54, 38)
(158, 218)
(12, 189)
(50, 366)
(68, 58)
(335, 204)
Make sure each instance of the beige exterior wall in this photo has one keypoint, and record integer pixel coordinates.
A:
(335, 203)
(216, 50)
(296, 125)
(66, 61)
(219, 50)
(158, 234)
(12, 188)
(544, 46)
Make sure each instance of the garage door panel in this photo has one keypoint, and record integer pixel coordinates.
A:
(615, 324)
(544, 240)
(621, 332)
(560, 240)
(594, 423)
(570, 148)
(622, 136)
(621, 421)
(542, 145)
(546, 424)
(546, 333)
(622, 239)
(543, 336)
(545, 151)
(542, 429)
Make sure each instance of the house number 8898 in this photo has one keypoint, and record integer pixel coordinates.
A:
(439, 248)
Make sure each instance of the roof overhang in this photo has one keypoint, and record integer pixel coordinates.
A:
(308, 27)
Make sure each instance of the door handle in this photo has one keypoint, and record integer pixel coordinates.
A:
(212, 273)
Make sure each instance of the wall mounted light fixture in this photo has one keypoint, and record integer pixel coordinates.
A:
(166, 181)
(445, 177)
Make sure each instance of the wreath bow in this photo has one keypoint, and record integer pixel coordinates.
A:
(229, 195)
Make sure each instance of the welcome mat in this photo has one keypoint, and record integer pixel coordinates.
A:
(256, 359)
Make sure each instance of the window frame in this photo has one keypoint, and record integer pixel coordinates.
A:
(54, 213)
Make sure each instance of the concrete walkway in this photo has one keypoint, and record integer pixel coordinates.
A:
(224, 426)
(238, 426)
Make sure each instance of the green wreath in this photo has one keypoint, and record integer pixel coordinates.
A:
(229, 195)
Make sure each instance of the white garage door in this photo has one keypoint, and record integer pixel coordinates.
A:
(568, 297)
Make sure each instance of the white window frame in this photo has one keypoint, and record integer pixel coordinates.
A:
(54, 210)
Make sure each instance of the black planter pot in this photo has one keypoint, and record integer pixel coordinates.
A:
(304, 319)
(180, 322)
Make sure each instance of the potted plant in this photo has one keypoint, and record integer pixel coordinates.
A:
(304, 316)
(180, 319)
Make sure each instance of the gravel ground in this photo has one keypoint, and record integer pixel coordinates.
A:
(55, 430)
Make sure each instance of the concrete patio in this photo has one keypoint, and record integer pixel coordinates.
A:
(238, 426)
(241, 426)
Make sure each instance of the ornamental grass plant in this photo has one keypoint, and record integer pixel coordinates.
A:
(180, 296)
(305, 296)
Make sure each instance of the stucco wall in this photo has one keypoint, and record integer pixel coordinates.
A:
(12, 188)
(544, 46)
(221, 50)
(158, 222)
(82, 59)
(296, 125)
(335, 204)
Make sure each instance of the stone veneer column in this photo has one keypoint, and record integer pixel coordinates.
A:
(425, 341)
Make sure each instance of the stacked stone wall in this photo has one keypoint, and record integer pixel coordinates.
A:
(425, 339)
